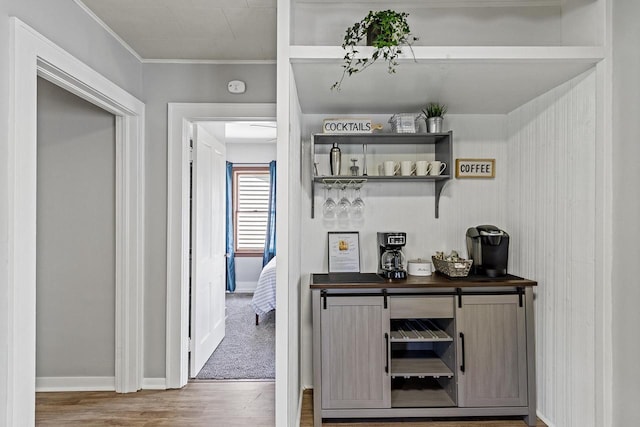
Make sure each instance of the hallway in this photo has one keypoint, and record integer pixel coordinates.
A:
(202, 403)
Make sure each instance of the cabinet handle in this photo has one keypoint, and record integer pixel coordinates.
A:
(463, 357)
(386, 340)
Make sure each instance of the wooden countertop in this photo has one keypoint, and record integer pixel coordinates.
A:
(436, 280)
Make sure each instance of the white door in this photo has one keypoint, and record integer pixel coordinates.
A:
(208, 265)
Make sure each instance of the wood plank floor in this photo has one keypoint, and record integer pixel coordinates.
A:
(307, 420)
(202, 403)
(219, 403)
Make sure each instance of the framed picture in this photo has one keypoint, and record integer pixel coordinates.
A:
(475, 168)
(344, 252)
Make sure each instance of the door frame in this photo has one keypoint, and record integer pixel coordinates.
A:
(33, 55)
(180, 117)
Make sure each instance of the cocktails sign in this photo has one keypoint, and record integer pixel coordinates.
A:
(347, 126)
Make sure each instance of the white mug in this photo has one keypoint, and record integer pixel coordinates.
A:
(407, 168)
(422, 167)
(390, 168)
(437, 167)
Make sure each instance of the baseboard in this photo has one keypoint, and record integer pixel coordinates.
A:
(48, 384)
(246, 287)
(154, 383)
(545, 420)
(51, 384)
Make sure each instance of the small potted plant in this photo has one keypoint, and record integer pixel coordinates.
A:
(433, 114)
(385, 30)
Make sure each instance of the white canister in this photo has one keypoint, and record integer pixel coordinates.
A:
(419, 267)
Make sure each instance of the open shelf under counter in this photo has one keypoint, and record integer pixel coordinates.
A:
(419, 367)
(419, 393)
(435, 397)
(417, 330)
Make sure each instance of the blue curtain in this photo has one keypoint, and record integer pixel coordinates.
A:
(270, 238)
(231, 254)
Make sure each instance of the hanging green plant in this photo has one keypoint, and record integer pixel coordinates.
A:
(385, 30)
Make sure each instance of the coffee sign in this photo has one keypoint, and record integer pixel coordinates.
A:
(475, 168)
(347, 126)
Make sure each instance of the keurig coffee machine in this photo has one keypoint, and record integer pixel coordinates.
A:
(488, 247)
(392, 261)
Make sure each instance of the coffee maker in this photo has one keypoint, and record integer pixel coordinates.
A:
(391, 264)
(488, 247)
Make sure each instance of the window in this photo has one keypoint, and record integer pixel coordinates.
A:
(250, 209)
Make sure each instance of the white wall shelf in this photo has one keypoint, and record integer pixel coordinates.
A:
(446, 3)
(442, 151)
(472, 79)
(476, 53)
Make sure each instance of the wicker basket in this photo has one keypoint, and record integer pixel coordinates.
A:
(458, 268)
(404, 123)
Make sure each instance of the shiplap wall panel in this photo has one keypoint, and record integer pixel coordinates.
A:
(552, 218)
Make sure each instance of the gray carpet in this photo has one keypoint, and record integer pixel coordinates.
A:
(247, 351)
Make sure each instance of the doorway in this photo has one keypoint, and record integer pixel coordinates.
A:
(75, 248)
(34, 55)
(180, 118)
(247, 347)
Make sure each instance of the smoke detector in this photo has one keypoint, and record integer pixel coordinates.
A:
(236, 86)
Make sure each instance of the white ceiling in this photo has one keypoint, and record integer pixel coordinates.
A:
(236, 132)
(479, 80)
(221, 30)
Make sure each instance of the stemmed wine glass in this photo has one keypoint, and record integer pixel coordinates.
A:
(329, 205)
(357, 206)
(344, 205)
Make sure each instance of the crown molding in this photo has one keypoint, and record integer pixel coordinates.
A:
(211, 61)
(108, 29)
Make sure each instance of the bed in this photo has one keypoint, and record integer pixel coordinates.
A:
(264, 298)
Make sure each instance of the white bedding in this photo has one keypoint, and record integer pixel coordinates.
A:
(264, 298)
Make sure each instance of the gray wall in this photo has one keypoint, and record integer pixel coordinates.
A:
(165, 83)
(67, 25)
(75, 258)
(626, 212)
(71, 28)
